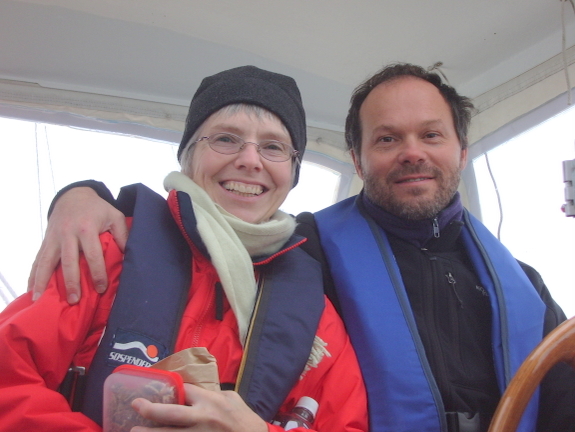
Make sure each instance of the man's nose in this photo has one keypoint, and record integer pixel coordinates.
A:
(412, 151)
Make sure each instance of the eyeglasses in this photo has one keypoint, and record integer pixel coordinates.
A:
(228, 144)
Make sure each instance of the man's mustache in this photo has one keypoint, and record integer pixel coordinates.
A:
(425, 170)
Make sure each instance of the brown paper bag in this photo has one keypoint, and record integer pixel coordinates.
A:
(195, 365)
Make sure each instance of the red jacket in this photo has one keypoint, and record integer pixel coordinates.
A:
(39, 341)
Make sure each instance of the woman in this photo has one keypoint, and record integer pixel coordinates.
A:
(221, 251)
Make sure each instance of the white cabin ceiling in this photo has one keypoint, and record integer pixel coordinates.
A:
(159, 50)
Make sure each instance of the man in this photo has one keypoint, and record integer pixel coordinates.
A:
(440, 314)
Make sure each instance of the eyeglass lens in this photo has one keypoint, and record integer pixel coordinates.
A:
(227, 143)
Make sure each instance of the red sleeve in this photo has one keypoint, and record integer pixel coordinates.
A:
(40, 340)
(334, 380)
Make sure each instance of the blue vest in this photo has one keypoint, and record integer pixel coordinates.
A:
(402, 392)
(152, 295)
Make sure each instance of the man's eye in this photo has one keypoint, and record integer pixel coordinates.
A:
(431, 135)
(385, 139)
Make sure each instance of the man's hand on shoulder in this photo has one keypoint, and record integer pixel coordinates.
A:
(78, 218)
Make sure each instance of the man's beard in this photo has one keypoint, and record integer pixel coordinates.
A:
(380, 192)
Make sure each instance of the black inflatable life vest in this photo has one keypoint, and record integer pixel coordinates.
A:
(152, 295)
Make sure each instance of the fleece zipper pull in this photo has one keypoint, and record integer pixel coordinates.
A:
(435, 227)
(451, 281)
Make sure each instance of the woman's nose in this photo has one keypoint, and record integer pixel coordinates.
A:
(249, 156)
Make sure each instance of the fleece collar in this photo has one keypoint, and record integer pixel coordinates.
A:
(417, 232)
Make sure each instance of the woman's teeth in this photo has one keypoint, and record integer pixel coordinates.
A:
(243, 188)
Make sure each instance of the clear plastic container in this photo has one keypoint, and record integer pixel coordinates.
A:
(129, 382)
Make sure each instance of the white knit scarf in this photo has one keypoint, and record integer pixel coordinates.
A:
(231, 242)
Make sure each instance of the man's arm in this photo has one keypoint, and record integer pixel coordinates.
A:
(554, 315)
(78, 214)
(557, 390)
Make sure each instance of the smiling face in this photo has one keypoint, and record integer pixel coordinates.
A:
(411, 159)
(244, 184)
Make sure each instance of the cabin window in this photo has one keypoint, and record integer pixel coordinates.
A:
(527, 170)
(38, 159)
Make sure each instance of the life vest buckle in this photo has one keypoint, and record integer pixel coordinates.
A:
(462, 422)
(73, 386)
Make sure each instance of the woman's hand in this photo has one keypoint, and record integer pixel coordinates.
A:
(78, 218)
(205, 411)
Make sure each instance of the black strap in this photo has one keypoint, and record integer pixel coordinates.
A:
(73, 387)
(306, 227)
(227, 386)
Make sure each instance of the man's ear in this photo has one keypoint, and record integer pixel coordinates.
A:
(463, 159)
(357, 164)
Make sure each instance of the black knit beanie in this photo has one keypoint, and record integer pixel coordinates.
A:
(250, 85)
